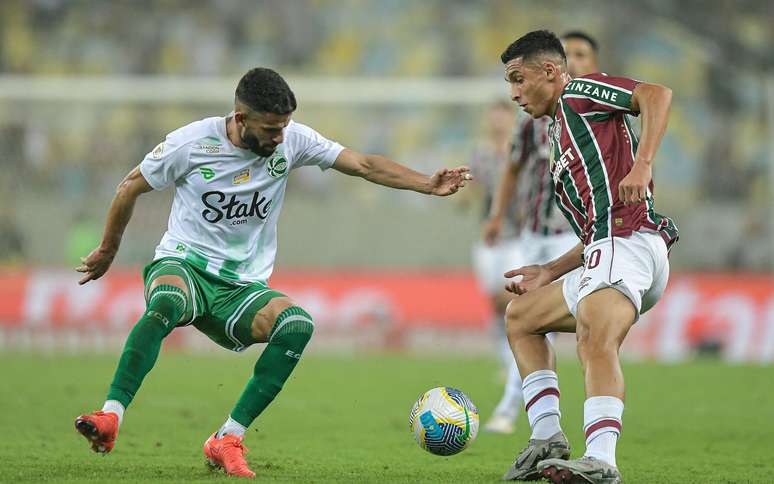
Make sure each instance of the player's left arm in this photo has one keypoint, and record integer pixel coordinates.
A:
(384, 171)
(652, 101)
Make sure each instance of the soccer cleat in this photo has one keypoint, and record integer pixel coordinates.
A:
(525, 467)
(100, 429)
(583, 470)
(229, 453)
(500, 424)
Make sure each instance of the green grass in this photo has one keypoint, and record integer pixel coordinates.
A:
(344, 419)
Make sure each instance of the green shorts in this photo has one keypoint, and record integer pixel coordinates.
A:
(221, 309)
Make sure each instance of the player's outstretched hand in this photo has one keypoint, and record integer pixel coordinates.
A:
(532, 277)
(96, 264)
(447, 181)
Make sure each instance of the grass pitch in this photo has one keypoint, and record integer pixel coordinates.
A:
(345, 419)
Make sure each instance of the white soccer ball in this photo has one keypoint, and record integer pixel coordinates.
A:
(444, 421)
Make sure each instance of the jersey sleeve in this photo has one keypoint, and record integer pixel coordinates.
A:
(522, 140)
(597, 93)
(310, 148)
(167, 163)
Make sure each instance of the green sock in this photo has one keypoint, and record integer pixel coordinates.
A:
(165, 306)
(287, 339)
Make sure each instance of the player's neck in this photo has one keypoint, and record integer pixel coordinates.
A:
(554, 105)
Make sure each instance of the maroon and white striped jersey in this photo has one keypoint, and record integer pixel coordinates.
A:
(530, 150)
(486, 166)
(592, 150)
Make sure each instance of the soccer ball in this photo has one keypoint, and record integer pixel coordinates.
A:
(444, 421)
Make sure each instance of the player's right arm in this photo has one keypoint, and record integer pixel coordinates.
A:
(536, 276)
(98, 261)
(502, 198)
(507, 186)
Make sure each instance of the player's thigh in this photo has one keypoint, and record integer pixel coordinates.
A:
(622, 276)
(539, 312)
(604, 318)
(229, 322)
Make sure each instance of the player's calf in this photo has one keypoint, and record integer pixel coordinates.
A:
(287, 339)
(166, 304)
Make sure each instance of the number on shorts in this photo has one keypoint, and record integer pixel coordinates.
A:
(594, 257)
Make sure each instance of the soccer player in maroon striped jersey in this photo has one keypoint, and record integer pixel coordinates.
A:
(602, 184)
(544, 234)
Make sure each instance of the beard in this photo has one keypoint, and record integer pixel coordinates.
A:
(253, 144)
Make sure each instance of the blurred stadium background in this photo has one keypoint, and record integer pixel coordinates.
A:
(87, 88)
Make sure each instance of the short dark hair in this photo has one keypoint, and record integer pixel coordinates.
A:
(577, 34)
(533, 44)
(264, 90)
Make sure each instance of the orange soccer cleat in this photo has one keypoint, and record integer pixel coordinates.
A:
(100, 429)
(229, 453)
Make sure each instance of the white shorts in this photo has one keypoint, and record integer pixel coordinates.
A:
(545, 248)
(636, 265)
(490, 263)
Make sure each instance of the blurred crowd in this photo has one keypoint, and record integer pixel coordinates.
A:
(714, 171)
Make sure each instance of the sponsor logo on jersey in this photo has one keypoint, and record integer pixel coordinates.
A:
(277, 166)
(207, 173)
(180, 248)
(158, 151)
(233, 209)
(592, 90)
(210, 145)
(561, 164)
(242, 177)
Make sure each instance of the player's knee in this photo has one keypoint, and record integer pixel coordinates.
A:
(267, 317)
(598, 339)
(516, 320)
(293, 329)
(167, 303)
(169, 280)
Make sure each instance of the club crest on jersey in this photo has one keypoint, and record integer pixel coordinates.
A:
(556, 131)
(242, 177)
(277, 166)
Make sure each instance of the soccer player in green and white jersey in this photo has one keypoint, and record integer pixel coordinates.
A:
(603, 185)
(212, 265)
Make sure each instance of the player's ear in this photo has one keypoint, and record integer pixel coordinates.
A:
(239, 117)
(551, 70)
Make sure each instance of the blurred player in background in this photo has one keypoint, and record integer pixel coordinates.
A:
(543, 232)
(212, 266)
(603, 185)
(486, 164)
